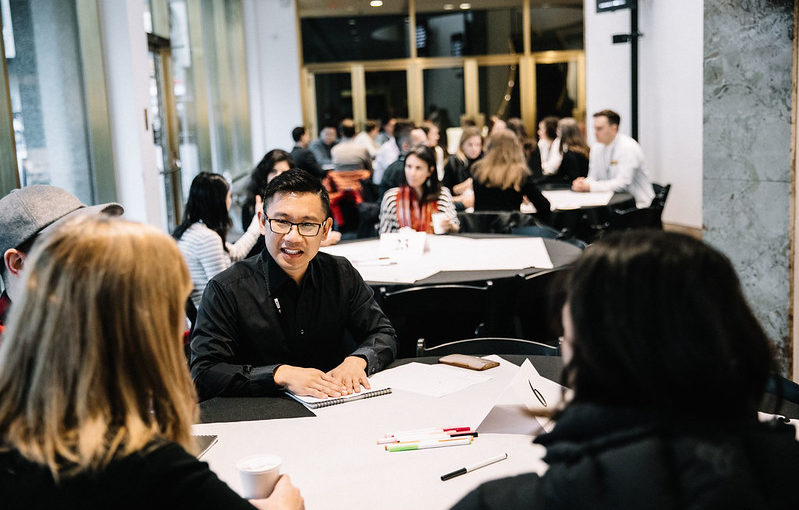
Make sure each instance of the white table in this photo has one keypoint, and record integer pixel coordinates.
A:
(334, 459)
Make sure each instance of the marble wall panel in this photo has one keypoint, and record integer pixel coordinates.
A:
(746, 150)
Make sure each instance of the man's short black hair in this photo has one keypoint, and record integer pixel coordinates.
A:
(297, 181)
(297, 133)
(613, 117)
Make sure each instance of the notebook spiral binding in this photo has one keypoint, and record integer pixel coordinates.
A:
(336, 401)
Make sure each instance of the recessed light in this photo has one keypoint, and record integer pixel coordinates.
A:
(465, 6)
(376, 3)
(448, 7)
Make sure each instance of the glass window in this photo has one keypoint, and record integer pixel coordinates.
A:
(48, 100)
(556, 28)
(354, 38)
(333, 98)
(386, 95)
(488, 27)
(444, 101)
(556, 89)
(499, 91)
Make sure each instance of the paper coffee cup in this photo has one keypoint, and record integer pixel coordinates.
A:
(259, 474)
(438, 222)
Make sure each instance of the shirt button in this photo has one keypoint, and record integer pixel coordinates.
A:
(302, 331)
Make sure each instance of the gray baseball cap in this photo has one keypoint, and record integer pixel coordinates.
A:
(28, 211)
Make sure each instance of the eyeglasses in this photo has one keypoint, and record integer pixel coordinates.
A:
(305, 229)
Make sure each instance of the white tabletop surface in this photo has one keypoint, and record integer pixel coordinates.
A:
(336, 462)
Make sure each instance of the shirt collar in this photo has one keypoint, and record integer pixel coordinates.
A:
(276, 277)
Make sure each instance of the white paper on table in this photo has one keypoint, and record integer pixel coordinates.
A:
(768, 417)
(431, 380)
(525, 384)
(500, 254)
(376, 265)
(567, 199)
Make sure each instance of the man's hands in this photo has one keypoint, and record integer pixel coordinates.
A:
(309, 381)
(580, 184)
(351, 374)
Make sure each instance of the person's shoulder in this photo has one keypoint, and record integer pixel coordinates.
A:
(243, 270)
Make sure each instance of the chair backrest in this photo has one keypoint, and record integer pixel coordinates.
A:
(658, 203)
(633, 218)
(494, 222)
(439, 313)
(488, 345)
(536, 231)
(535, 317)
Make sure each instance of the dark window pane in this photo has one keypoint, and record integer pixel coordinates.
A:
(354, 38)
(443, 98)
(472, 32)
(333, 98)
(386, 95)
(499, 91)
(556, 28)
(557, 89)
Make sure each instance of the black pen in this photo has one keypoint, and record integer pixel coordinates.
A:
(538, 394)
(468, 469)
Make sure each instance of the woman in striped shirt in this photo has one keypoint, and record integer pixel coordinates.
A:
(420, 196)
(201, 236)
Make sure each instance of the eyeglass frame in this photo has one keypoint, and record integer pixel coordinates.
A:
(292, 225)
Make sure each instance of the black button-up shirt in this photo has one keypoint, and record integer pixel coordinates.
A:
(253, 317)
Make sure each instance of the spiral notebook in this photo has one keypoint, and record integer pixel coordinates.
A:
(316, 403)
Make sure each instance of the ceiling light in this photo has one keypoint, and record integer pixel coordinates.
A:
(376, 3)
(465, 6)
(449, 7)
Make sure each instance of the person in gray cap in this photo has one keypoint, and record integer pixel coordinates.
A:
(24, 214)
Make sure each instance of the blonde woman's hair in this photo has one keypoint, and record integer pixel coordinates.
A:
(466, 133)
(503, 166)
(91, 365)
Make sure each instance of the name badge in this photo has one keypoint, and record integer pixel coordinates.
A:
(614, 162)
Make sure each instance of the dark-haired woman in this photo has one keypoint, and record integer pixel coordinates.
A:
(274, 163)
(420, 196)
(574, 153)
(201, 236)
(668, 365)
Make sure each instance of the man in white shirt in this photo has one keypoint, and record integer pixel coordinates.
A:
(616, 162)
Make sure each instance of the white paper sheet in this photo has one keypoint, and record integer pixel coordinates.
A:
(537, 393)
(501, 254)
(431, 380)
(567, 199)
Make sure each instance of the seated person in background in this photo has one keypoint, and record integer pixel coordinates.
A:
(98, 405)
(24, 214)
(391, 149)
(458, 170)
(413, 203)
(366, 138)
(502, 179)
(574, 153)
(274, 163)
(348, 154)
(280, 320)
(545, 159)
(304, 158)
(433, 139)
(407, 136)
(202, 235)
(322, 146)
(668, 366)
(616, 163)
(516, 125)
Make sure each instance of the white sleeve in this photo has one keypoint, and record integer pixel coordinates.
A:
(242, 247)
(554, 158)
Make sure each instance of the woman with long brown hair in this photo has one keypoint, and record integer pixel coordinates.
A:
(97, 402)
(574, 153)
(502, 178)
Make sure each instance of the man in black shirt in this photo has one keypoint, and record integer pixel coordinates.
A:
(304, 158)
(291, 317)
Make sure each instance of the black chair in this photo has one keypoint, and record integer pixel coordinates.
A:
(658, 203)
(191, 315)
(495, 222)
(784, 388)
(548, 233)
(487, 345)
(439, 313)
(633, 218)
(535, 312)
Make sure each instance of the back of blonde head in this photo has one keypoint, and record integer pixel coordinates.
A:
(92, 366)
(503, 166)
